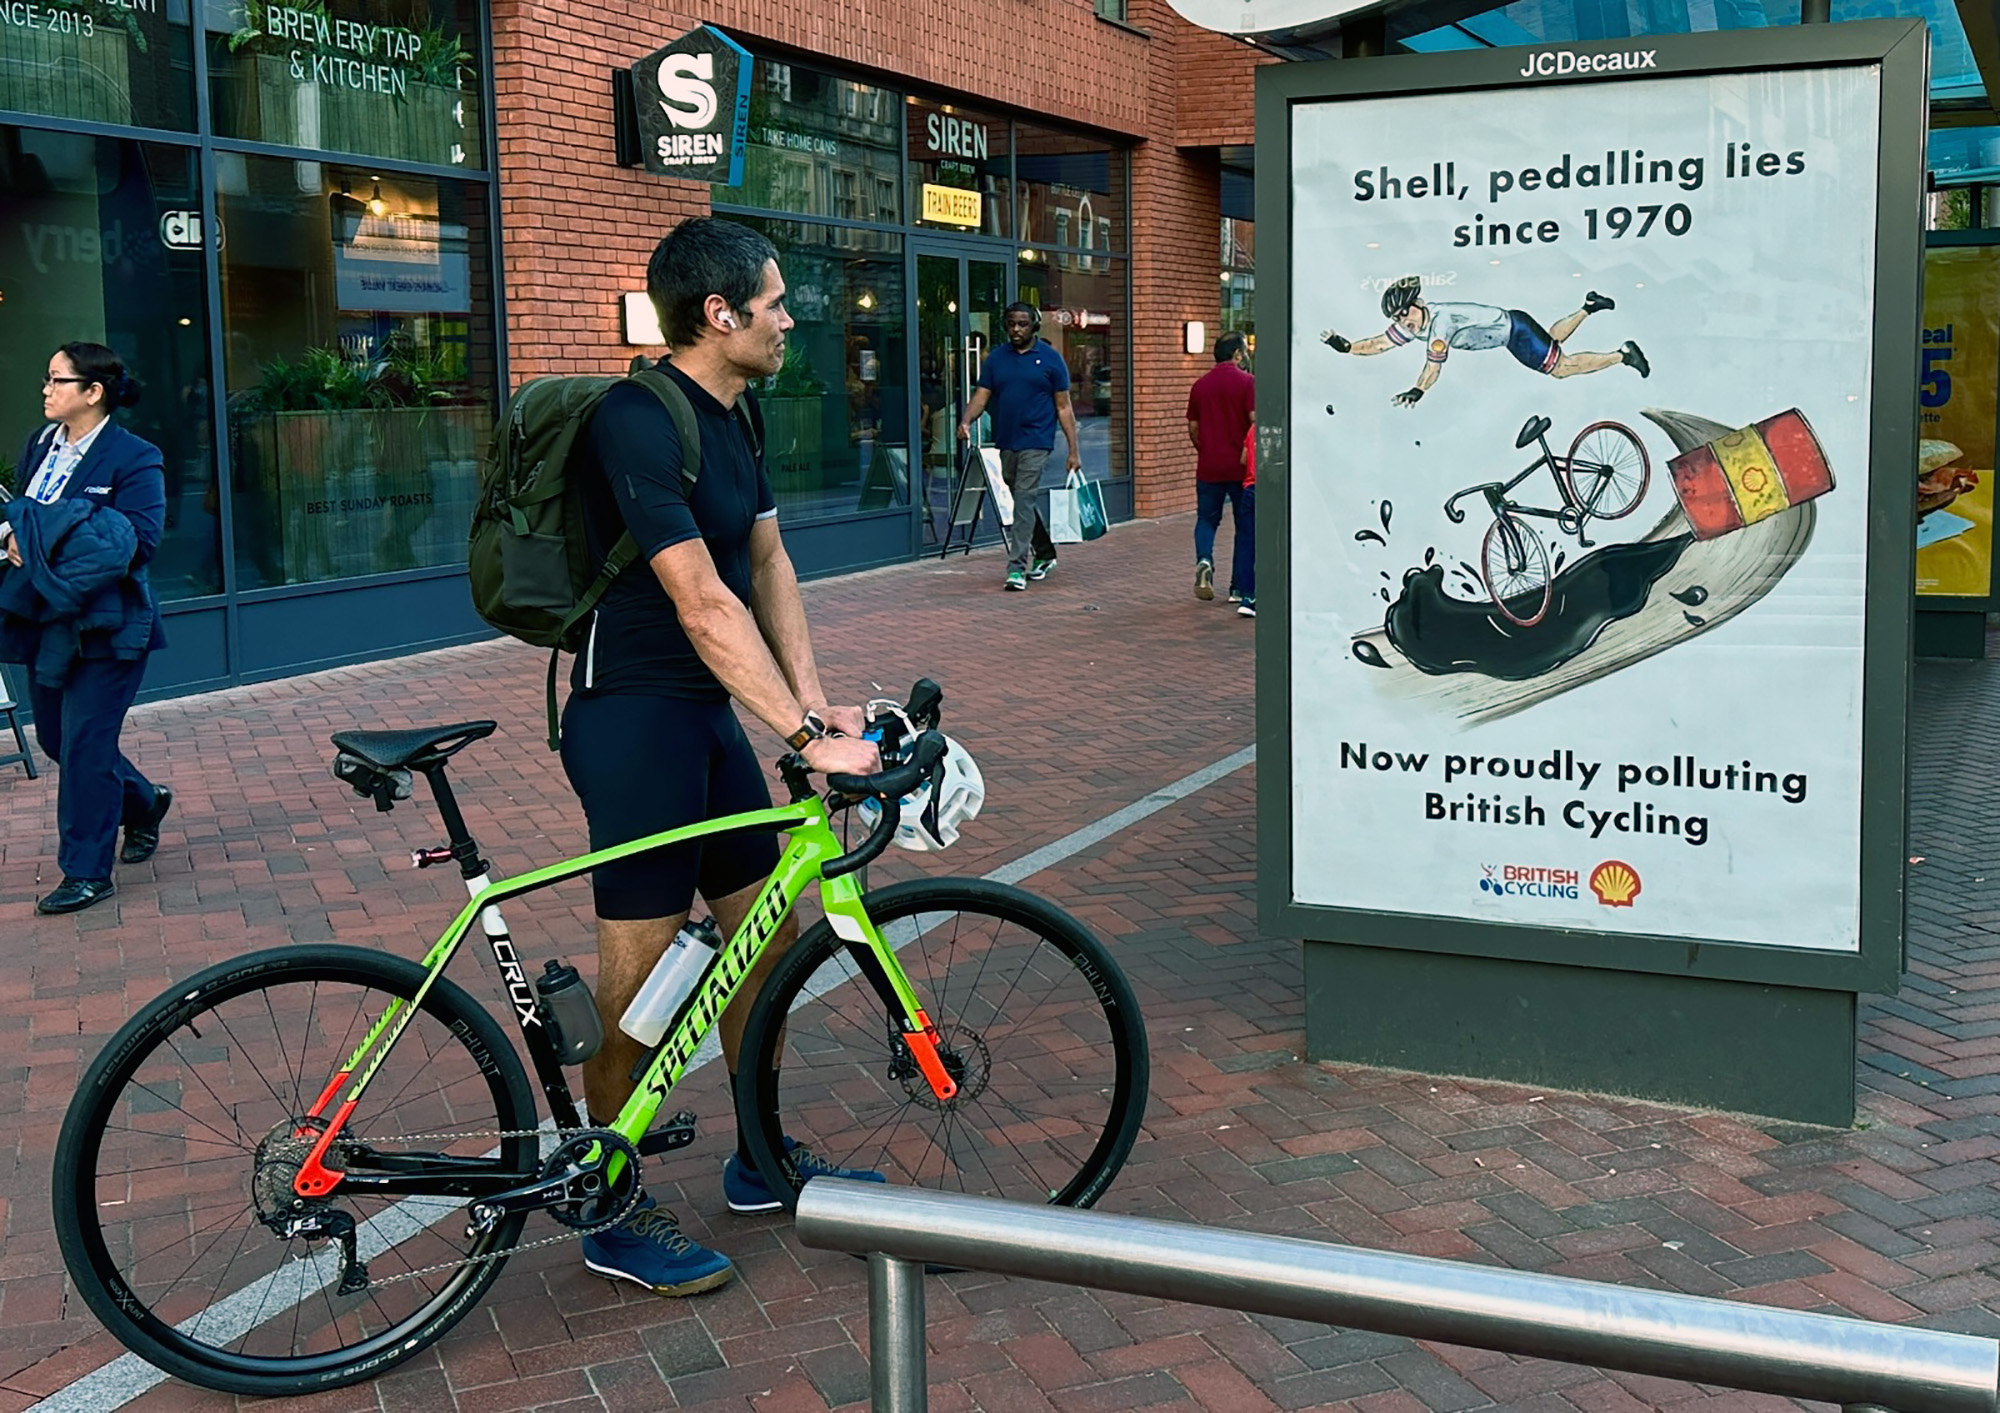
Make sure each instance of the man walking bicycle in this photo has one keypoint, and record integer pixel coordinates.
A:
(710, 611)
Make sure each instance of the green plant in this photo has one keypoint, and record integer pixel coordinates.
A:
(325, 380)
(795, 378)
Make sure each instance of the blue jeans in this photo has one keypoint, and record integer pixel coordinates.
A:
(1208, 500)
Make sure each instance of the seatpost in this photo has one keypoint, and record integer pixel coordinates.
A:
(463, 848)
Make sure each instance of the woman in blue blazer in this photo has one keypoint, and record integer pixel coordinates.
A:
(82, 454)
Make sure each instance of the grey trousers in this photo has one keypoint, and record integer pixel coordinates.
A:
(1027, 538)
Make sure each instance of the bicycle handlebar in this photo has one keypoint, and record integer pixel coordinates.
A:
(888, 787)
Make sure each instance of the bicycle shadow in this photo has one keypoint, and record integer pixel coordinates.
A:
(1690, 587)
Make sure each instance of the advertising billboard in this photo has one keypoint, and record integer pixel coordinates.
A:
(1957, 378)
(1583, 484)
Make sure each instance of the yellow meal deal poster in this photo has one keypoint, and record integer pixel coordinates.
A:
(1955, 396)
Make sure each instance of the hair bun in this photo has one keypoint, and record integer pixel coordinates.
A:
(128, 390)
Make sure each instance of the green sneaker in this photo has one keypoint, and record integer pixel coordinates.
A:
(1016, 579)
(1043, 568)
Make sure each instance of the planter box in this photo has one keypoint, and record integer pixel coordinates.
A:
(793, 442)
(331, 495)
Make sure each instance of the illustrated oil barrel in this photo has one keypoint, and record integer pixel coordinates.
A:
(1750, 475)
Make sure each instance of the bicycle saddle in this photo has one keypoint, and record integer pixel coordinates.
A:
(396, 750)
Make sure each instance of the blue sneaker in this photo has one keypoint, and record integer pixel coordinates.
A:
(744, 1189)
(649, 1250)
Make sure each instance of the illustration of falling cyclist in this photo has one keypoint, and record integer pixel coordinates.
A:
(1476, 327)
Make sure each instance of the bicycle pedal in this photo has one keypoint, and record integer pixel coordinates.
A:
(677, 1132)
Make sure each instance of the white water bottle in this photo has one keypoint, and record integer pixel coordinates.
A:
(680, 968)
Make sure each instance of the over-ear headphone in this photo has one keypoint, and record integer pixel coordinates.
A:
(1026, 308)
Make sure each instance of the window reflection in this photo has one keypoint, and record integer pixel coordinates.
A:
(958, 168)
(85, 254)
(388, 78)
(1083, 317)
(819, 146)
(836, 416)
(1072, 192)
(359, 375)
(124, 62)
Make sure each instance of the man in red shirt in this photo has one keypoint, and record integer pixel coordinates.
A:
(1221, 408)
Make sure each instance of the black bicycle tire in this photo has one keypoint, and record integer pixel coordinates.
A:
(81, 1238)
(760, 1122)
(1525, 537)
(1575, 493)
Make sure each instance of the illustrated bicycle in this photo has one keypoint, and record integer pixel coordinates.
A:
(1604, 477)
(301, 1167)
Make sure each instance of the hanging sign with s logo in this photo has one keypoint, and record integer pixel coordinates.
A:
(693, 101)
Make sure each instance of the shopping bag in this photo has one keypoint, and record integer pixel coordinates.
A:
(996, 484)
(1090, 515)
(1065, 520)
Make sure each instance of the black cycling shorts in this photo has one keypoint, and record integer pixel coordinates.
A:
(645, 764)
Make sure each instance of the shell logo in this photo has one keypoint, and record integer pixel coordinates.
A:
(1615, 884)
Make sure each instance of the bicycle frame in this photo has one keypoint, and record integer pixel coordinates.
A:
(811, 848)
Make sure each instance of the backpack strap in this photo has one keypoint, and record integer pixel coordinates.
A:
(627, 549)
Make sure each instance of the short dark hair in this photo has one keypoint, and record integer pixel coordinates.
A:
(702, 256)
(1021, 306)
(1229, 345)
(95, 363)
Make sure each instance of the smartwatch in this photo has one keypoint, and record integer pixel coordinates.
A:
(810, 730)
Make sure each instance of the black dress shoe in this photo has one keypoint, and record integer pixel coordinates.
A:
(142, 839)
(76, 894)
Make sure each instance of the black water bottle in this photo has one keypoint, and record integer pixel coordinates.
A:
(570, 1012)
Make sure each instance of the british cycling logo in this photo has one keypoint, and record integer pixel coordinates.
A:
(1529, 881)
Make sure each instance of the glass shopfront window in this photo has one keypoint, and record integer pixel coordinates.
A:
(819, 146)
(105, 61)
(836, 416)
(1239, 277)
(1072, 191)
(100, 243)
(383, 78)
(1084, 318)
(357, 317)
(958, 168)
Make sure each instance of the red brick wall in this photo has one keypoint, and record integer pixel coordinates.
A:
(578, 228)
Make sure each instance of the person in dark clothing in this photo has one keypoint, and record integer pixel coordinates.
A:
(82, 455)
(1027, 383)
(650, 742)
(1221, 407)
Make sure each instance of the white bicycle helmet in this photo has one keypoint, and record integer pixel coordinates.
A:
(931, 814)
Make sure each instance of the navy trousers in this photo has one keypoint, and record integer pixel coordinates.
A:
(100, 791)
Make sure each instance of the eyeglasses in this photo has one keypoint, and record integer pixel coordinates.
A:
(51, 382)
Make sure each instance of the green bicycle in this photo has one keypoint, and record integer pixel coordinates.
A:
(301, 1167)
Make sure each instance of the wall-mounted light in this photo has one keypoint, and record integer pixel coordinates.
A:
(376, 205)
(642, 321)
(1194, 336)
(866, 301)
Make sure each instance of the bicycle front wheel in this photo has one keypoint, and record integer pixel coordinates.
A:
(1607, 471)
(1036, 1024)
(1515, 565)
(172, 1182)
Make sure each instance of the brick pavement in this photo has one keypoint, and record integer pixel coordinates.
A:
(1084, 695)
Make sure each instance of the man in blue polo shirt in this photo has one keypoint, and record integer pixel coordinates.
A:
(1028, 384)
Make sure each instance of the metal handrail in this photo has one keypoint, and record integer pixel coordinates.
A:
(1856, 1363)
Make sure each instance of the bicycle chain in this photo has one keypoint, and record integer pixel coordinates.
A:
(560, 1135)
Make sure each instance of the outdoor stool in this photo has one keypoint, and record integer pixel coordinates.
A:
(22, 754)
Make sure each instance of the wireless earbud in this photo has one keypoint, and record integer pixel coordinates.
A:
(728, 321)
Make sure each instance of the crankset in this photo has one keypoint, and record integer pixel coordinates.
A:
(575, 1187)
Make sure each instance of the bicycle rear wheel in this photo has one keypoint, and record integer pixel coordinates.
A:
(1607, 471)
(172, 1172)
(1036, 1023)
(1515, 565)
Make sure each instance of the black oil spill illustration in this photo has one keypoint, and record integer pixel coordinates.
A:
(1369, 654)
(1694, 619)
(1692, 597)
(1388, 509)
(1441, 635)
(1369, 535)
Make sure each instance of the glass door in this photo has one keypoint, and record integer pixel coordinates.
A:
(959, 300)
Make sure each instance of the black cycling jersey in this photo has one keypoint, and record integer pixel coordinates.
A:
(631, 478)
